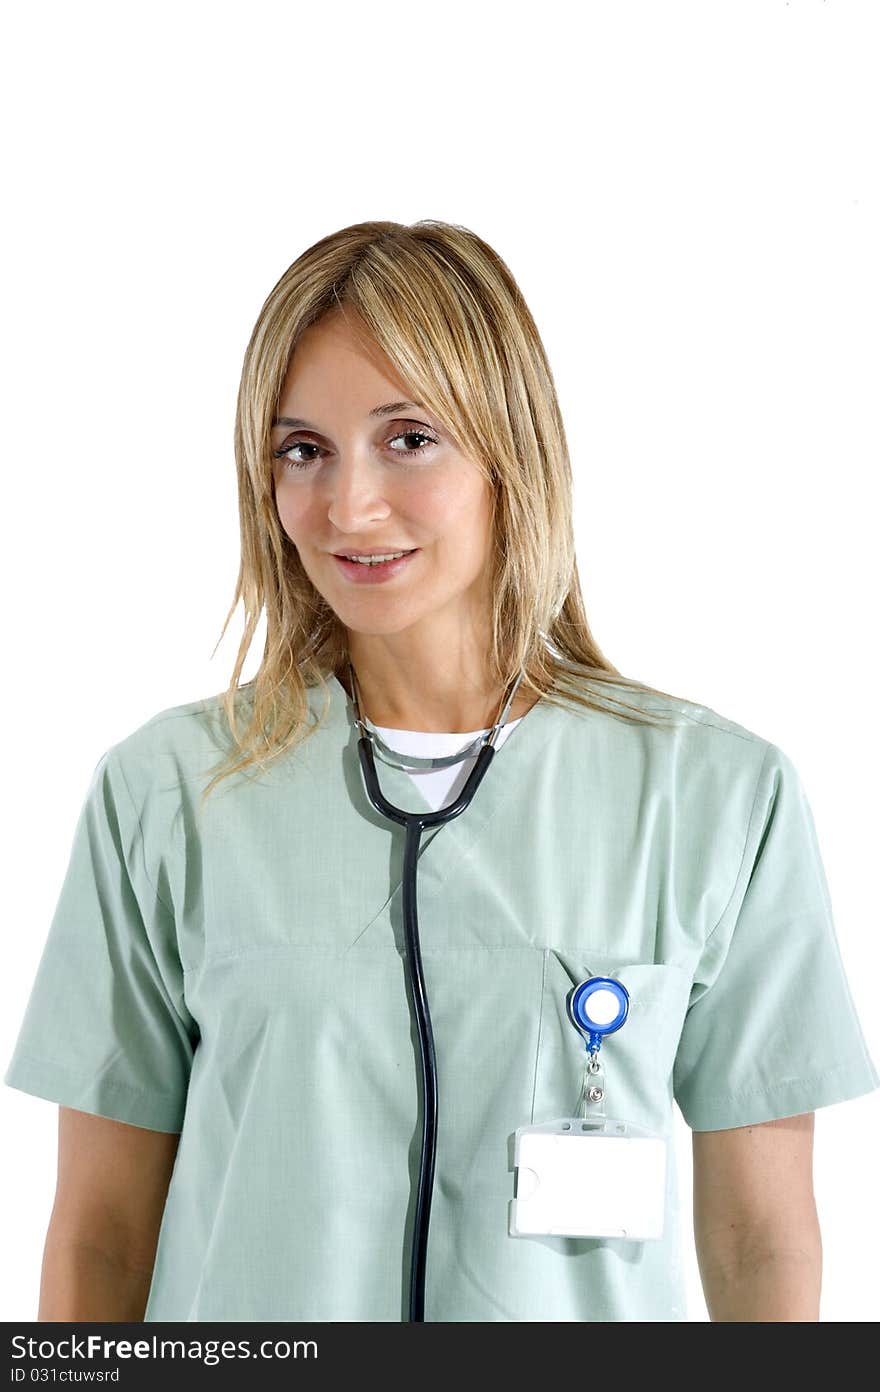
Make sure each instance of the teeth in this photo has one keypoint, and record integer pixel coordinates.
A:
(376, 560)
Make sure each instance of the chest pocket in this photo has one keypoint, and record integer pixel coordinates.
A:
(637, 1059)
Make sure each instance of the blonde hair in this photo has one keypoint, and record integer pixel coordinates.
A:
(448, 314)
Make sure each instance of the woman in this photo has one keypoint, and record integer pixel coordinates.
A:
(226, 1008)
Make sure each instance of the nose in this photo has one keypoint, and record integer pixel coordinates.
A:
(355, 493)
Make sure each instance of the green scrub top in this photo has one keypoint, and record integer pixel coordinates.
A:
(238, 976)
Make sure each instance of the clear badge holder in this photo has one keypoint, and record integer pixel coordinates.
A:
(590, 1175)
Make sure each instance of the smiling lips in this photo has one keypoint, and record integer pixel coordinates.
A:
(374, 571)
(384, 551)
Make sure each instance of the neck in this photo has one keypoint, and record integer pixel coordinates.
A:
(455, 709)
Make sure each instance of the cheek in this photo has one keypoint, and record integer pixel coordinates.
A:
(457, 504)
(467, 520)
(293, 506)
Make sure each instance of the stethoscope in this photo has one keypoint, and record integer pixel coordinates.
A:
(415, 823)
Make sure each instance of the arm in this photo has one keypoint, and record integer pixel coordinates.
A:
(756, 1229)
(101, 1242)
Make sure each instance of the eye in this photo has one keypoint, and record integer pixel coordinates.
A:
(286, 450)
(412, 435)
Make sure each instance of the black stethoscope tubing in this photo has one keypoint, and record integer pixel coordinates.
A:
(415, 823)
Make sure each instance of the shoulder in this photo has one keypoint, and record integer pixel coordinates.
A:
(658, 719)
(701, 787)
(185, 728)
(706, 767)
(176, 745)
(184, 746)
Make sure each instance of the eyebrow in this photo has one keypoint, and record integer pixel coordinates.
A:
(391, 409)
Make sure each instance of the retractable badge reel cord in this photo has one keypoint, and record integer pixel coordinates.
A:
(563, 1188)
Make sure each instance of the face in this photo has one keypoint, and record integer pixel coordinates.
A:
(351, 475)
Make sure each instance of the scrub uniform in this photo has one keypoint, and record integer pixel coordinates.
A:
(238, 975)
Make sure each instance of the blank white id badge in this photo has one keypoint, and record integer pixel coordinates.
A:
(598, 1177)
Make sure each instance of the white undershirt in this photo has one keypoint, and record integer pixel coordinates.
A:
(440, 786)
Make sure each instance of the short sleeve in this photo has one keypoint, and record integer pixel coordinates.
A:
(106, 1028)
(771, 1029)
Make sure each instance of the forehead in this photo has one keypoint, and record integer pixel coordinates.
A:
(337, 368)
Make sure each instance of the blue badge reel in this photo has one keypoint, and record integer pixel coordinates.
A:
(597, 1007)
(590, 1175)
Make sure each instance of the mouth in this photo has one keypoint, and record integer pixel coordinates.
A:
(369, 571)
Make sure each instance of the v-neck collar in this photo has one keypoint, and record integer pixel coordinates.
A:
(445, 850)
(510, 770)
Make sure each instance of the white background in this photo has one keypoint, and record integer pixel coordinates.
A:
(687, 194)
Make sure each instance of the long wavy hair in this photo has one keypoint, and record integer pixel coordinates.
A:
(448, 314)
